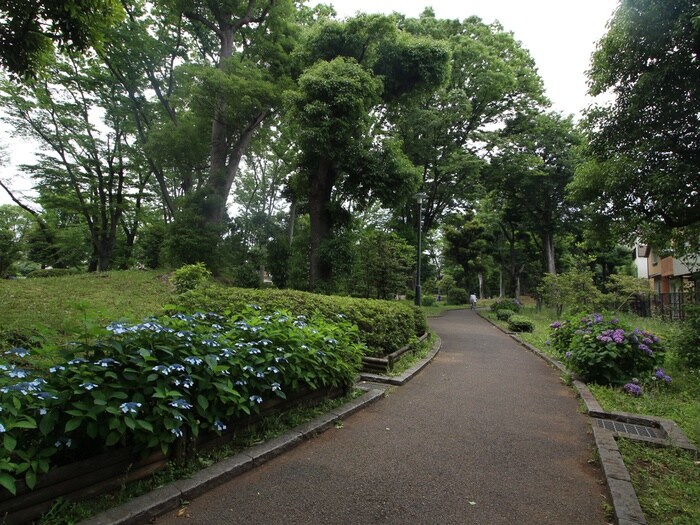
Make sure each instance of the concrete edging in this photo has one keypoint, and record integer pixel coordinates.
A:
(408, 374)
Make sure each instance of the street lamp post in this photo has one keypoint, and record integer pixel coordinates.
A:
(419, 198)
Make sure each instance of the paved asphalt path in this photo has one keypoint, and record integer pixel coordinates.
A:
(486, 434)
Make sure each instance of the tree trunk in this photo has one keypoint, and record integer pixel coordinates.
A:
(517, 282)
(549, 253)
(320, 188)
(480, 275)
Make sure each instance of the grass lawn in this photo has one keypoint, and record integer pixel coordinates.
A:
(667, 480)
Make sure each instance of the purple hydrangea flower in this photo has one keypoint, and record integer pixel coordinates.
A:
(555, 324)
(633, 389)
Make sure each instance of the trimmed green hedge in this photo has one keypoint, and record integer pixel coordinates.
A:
(504, 315)
(385, 326)
(506, 304)
(520, 323)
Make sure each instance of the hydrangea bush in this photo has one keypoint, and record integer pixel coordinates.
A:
(605, 351)
(147, 385)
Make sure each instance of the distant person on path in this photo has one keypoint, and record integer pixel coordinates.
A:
(472, 301)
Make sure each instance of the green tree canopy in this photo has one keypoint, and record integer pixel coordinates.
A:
(29, 29)
(644, 175)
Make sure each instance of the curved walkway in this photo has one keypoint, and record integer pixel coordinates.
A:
(486, 434)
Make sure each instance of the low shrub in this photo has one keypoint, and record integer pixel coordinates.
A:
(145, 386)
(606, 351)
(687, 344)
(520, 323)
(457, 296)
(506, 304)
(384, 326)
(189, 277)
(504, 314)
(428, 300)
(52, 272)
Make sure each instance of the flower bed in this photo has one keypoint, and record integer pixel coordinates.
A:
(161, 384)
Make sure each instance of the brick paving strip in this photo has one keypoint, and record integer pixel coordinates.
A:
(606, 427)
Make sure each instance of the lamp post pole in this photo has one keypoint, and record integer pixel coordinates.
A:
(419, 198)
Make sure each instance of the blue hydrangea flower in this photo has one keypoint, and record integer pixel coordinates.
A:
(219, 425)
(276, 387)
(117, 328)
(228, 352)
(88, 386)
(248, 368)
(273, 369)
(256, 399)
(177, 367)
(241, 382)
(18, 351)
(17, 373)
(254, 351)
(2, 428)
(43, 411)
(130, 408)
(181, 404)
(259, 375)
(77, 361)
(161, 369)
(193, 360)
(177, 432)
(108, 361)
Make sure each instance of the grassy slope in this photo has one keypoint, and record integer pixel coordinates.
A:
(58, 305)
(667, 481)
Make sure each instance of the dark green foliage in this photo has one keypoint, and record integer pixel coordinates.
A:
(428, 300)
(27, 29)
(687, 344)
(9, 250)
(506, 304)
(385, 326)
(504, 314)
(457, 296)
(383, 265)
(150, 244)
(52, 272)
(520, 323)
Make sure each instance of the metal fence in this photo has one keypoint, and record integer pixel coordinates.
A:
(668, 306)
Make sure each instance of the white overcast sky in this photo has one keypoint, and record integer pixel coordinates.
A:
(560, 35)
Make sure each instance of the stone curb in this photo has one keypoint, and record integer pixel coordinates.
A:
(170, 496)
(408, 374)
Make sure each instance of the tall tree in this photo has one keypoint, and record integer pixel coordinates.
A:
(530, 169)
(448, 132)
(353, 71)
(86, 167)
(643, 173)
